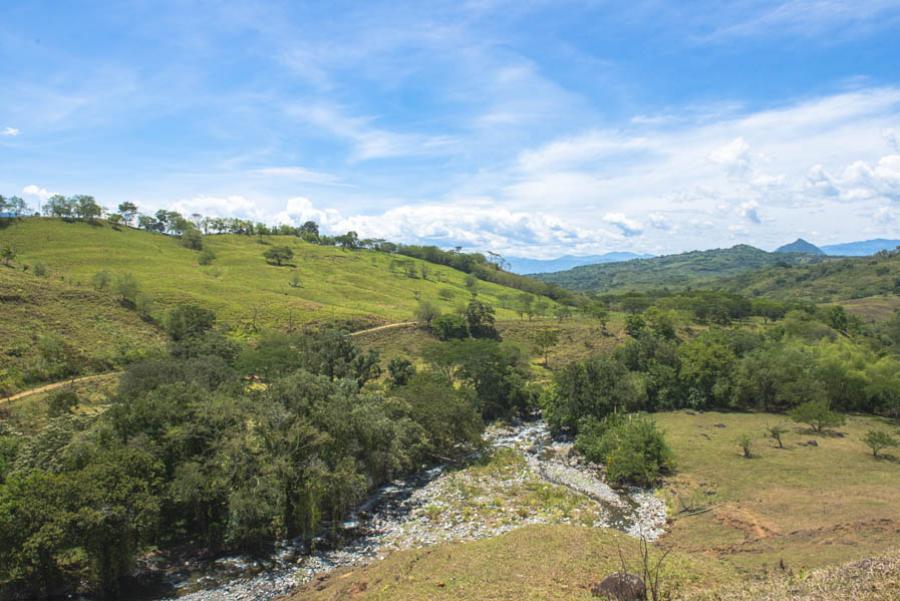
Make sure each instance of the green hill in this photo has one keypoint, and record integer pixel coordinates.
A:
(51, 330)
(691, 269)
(823, 281)
(360, 288)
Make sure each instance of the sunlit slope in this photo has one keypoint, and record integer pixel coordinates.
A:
(50, 330)
(239, 285)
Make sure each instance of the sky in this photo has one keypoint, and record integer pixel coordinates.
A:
(528, 128)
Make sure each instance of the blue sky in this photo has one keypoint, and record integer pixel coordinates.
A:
(528, 128)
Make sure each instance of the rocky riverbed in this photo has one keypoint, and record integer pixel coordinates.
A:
(536, 480)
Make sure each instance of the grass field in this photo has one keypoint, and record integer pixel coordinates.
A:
(239, 285)
(806, 505)
(534, 563)
(42, 315)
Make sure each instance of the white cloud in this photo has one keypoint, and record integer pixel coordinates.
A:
(660, 221)
(10, 131)
(734, 156)
(298, 173)
(300, 209)
(885, 216)
(37, 192)
(628, 227)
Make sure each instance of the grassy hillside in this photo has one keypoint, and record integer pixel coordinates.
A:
(51, 329)
(826, 281)
(245, 291)
(809, 506)
(692, 269)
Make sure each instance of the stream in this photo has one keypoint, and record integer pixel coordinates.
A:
(395, 517)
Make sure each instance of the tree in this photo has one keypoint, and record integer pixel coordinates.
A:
(148, 223)
(878, 440)
(128, 210)
(634, 324)
(115, 220)
(349, 241)
(86, 207)
(401, 370)
(818, 415)
(480, 319)
(58, 206)
(295, 280)
(309, 231)
(544, 340)
(101, 280)
(746, 443)
(127, 287)
(187, 321)
(16, 206)
(838, 319)
(426, 312)
(776, 432)
(192, 238)
(7, 253)
(206, 257)
(450, 327)
(278, 255)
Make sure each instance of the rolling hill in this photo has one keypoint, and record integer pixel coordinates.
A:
(360, 288)
(691, 269)
(531, 266)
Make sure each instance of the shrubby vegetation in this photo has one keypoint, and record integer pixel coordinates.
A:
(228, 447)
(630, 446)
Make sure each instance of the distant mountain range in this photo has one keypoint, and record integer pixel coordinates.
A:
(860, 249)
(527, 266)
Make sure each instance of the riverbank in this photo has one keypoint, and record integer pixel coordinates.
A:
(524, 479)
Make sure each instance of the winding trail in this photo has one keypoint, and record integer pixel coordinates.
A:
(56, 385)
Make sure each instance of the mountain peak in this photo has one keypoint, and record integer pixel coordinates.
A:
(800, 246)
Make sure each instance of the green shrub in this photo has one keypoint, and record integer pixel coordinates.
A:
(206, 257)
(61, 401)
(450, 327)
(631, 447)
(878, 440)
(40, 270)
(818, 415)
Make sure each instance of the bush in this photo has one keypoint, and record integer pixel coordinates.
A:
(631, 447)
(186, 321)
(400, 370)
(61, 401)
(101, 280)
(278, 255)
(426, 312)
(878, 440)
(206, 257)
(818, 415)
(746, 443)
(450, 327)
(40, 270)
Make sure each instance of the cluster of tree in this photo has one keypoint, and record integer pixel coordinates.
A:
(13, 206)
(229, 447)
(475, 321)
(801, 360)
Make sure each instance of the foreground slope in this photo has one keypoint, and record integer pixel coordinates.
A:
(359, 287)
(683, 270)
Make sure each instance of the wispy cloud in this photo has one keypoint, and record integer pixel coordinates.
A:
(10, 131)
(299, 174)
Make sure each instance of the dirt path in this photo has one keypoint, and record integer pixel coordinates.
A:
(387, 327)
(54, 386)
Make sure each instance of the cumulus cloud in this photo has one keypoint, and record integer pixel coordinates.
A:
(233, 205)
(750, 211)
(659, 221)
(300, 209)
(734, 156)
(37, 192)
(885, 216)
(10, 132)
(628, 227)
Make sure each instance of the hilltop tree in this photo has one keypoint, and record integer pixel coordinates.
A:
(128, 210)
(86, 207)
(58, 206)
(309, 231)
(16, 206)
(349, 241)
(278, 255)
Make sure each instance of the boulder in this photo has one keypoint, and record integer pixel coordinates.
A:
(620, 587)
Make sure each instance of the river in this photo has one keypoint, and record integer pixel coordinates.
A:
(395, 517)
